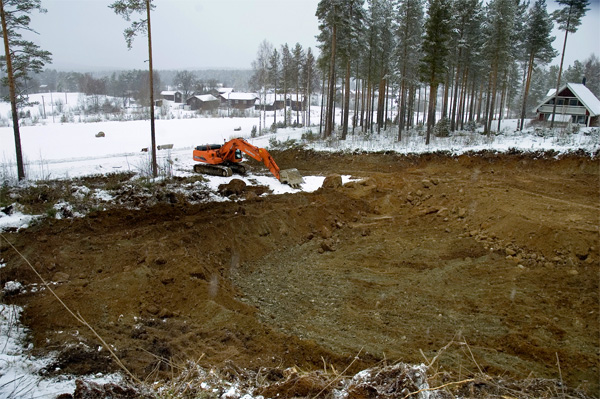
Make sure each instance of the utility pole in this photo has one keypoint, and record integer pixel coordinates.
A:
(152, 129)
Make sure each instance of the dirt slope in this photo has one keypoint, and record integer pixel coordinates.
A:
(497, 253)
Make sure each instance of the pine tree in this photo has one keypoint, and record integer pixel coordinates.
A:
(21, 57)
(348, 48)
(574, 73)
(568, 19)
(592, 74)
(501, 39)
(126, 8)
(465, 44)
(537, 43)
(408, 35)
(328, 12)
(435, 54)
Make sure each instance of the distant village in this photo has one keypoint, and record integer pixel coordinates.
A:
(228, 98)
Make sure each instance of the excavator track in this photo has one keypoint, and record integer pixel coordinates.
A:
(213, 170)
(238, 168)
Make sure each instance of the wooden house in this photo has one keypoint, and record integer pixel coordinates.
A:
(238, 100)
(271, 102)
(206, 102)
(175, 96)
(575, 103)
(296, 103)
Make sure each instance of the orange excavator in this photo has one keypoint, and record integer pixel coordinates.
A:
(224, 160)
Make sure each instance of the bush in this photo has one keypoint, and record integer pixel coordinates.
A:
(471, 126)
(253, 132)
(309, 136)
(442, 128)
(275, 144)
(575, 128)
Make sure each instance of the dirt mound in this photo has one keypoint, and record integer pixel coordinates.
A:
(498, 253)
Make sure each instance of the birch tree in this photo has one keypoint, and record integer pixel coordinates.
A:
(260, 75)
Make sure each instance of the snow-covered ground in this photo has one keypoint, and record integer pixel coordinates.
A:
(58, 151)
(54, 150)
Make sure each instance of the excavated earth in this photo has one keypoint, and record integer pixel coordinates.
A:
(496, 255)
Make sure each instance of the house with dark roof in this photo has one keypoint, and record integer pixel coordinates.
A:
(206, 102)
(238, 100)
(171, 95)
(270, 102)
(575, 103)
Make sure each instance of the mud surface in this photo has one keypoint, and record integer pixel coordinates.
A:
(495, 253)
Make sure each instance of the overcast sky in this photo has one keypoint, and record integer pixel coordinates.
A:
(198, 34)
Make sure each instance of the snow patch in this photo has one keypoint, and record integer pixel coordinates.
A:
(14, 219)
(20, 372)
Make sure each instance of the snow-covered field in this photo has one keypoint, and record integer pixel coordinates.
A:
(65, 150)
(54, 150)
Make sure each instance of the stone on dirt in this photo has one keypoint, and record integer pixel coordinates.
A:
(234, 187)
(332, 181)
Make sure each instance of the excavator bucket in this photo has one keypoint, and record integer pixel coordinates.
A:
(291, 177)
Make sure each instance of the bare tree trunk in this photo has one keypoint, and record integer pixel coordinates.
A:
(381, 104)
(502, 98)
(494, 90)
(297, 102)
(526, 91)
(368, 107)
(402, 109)
(385, 117)
(410, 112)
(463, 99)
(431, 117)
(455, 96)
(322, 106)
(449, 76)
(346, 101)
(419, 105)
(362, 105)
(356, 98)
(372, 115)
(480, 101)
(330, 98)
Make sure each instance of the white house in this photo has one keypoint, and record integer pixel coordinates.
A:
(575, 103)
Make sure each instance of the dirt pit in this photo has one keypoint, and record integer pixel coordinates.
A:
(494, 257)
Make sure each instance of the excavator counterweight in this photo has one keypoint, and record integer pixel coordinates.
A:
(223, 160)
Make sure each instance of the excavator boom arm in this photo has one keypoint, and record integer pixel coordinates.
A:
(260, 154)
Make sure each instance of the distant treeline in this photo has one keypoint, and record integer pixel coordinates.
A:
(134, 83)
